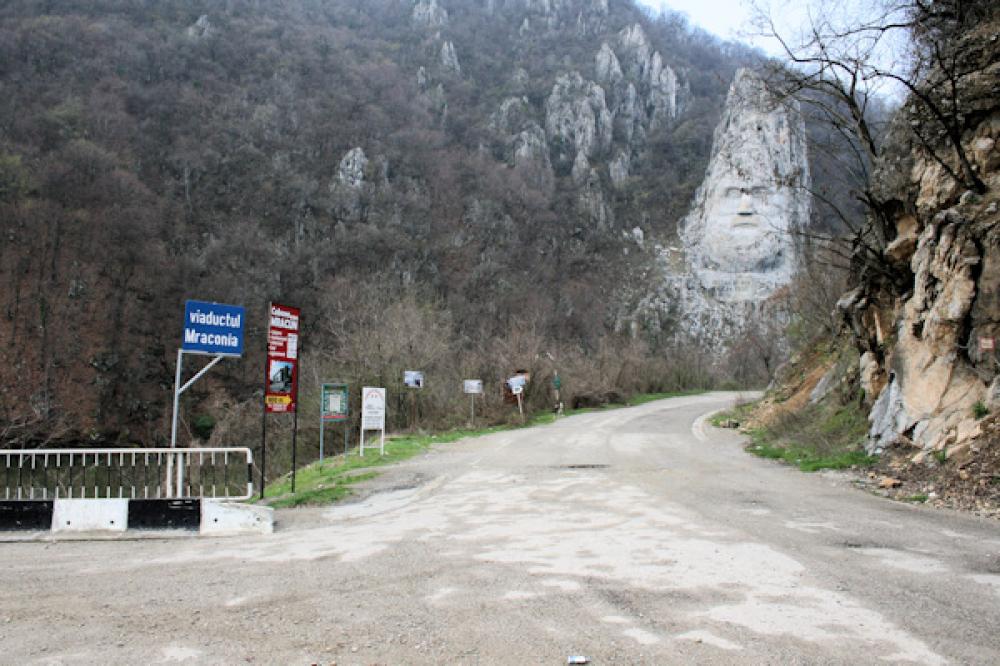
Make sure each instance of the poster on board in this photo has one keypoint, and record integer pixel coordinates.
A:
(281, 382)
(413, 379)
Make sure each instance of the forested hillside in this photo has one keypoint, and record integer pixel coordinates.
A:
(408, 173)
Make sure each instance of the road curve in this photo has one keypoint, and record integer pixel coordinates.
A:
(639, 535)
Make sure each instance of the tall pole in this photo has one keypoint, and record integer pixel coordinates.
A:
(263, 448)
(177, 398)
(263, 418)
(295, 432)
(173, 422)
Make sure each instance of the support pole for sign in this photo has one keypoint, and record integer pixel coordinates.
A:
(473, 401)
(178, 390)
(322, 422)
(520, 407)
(295, 433)
(263, 449)
(263, 419)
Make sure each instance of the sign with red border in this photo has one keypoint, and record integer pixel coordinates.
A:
(282, 367)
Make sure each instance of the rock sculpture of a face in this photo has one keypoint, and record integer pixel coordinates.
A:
(739, 234)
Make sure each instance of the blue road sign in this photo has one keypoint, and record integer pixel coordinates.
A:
(213, 328)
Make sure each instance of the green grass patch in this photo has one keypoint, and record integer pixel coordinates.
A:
(918, 498)
(740, 413)
(818, 437)
(330, 480)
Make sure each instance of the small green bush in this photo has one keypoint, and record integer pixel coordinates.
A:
(979, 410)
(202, 426)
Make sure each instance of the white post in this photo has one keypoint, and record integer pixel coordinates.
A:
(177, 398)
(173, 423)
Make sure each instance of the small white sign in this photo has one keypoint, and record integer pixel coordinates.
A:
(473, 386)
(413, 379)
(517, 390)
(987, 344)
(372, 408)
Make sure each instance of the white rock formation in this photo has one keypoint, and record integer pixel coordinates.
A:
(202, 28)
(429, 14)
(739, 233)
(351, 171)
(449, 58)
(606, 66)
(737, 245)
(577, 119)
(619, 168)
(523, 138)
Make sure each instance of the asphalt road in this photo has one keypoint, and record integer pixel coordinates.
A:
(638, 535)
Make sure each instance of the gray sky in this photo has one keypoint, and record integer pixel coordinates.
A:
(720, 17)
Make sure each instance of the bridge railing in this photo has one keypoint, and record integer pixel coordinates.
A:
(159, 473)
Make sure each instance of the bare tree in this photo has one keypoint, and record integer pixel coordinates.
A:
(842, 66)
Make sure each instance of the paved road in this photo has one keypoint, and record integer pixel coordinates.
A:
(639, 535)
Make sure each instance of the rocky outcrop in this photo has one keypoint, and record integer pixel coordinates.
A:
(739, 233)
(522, 138)
(202, 28)
(351, 171)
(722, 286)
(349, 184)
(429, 14)
(577, 120)
(607, 69)
(449, 59)
(926, 366)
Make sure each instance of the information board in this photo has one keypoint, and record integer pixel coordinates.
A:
(473, 386)
(413, 379)
(333, 402)
(372, 408)
(213, 328)
(281, 383)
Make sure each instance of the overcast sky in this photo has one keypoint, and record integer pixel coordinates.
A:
(720, 17)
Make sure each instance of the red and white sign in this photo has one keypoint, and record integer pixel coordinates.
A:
(281, 382)
(987, 344)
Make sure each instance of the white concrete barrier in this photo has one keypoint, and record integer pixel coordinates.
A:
(90, 515)
(228, 518)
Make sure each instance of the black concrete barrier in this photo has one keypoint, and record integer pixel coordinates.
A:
(16, 515)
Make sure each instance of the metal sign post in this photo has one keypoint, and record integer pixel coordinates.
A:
(281, 380)
(333, 408)
(372, 416)
(472, 387)
(413, 379)
(210, 329)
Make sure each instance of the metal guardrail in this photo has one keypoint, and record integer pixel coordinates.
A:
(209, 473)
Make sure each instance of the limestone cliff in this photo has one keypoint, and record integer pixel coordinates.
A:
(737, 243)
(926, 362)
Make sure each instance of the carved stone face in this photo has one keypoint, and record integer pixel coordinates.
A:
(738, 236)
(744, 226)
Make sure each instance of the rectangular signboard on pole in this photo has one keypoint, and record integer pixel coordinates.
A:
(334, 402)
(473, 386)
(413, 379)
(281, 383)
(213, 328)
(334, 407)
(372, 415)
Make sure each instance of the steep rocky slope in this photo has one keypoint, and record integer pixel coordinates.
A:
(502, 158)
(924, 324)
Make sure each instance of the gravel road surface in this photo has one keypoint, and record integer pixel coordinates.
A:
(639, 535)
